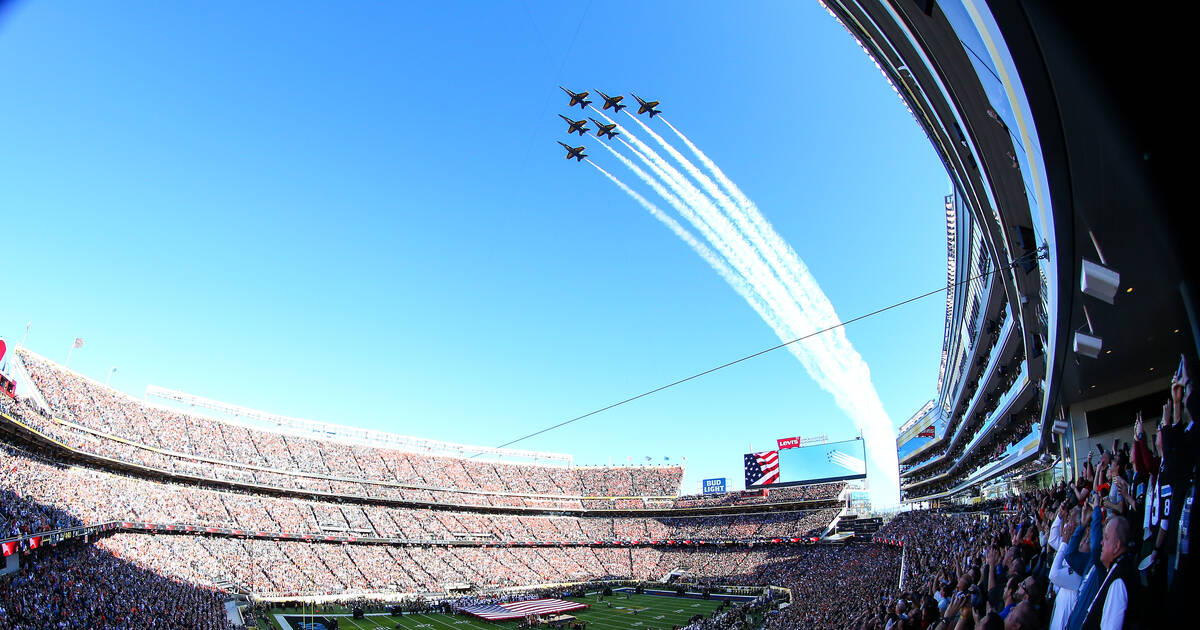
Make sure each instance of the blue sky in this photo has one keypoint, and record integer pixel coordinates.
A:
(358, 213)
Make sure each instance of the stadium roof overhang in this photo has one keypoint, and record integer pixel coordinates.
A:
(1046, 122)
(1103, 133)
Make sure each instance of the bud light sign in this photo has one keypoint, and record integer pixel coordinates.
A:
(714, 486)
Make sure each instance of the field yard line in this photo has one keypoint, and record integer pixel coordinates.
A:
(622, 621)
(431, 620)
(628, 619)
(352, 621)
(408, 621)
(470, 622)
(603, 624)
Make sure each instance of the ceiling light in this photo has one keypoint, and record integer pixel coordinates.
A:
(1087, 345)
(1108, 352)
(1099, 281)
(1129, 290)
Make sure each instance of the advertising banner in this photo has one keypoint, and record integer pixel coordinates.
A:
(713, 486)
(791, 442)
(832, 461)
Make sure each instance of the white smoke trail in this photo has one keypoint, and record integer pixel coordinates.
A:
(730, 276)
(776, 283)
(763, 274)
(751, 230)
(680, 206)
(850, 382)
(730, 241)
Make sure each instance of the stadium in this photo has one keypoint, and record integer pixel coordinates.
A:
(1047, 483)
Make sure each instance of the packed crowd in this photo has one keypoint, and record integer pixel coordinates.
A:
(287, 568)
(1109, 550)
(21, 510)
(1090, 553)
(975, 406)
(182, 445)
(84, 587)
(982, 449)
(38, 495)
(810, 492)
(829, 583)
(195, 445)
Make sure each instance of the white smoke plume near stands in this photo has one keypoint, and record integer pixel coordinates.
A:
(768, 273)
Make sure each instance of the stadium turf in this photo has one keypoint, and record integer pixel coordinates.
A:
(654, 611)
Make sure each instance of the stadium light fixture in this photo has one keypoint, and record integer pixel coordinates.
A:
(1087, 344)
(1099, 281)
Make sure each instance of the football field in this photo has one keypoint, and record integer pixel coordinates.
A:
(641, 612)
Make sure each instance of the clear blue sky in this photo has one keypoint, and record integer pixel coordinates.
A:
(358, 213)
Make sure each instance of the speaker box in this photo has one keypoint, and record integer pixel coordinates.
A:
(1087, 345)
(1026, 239)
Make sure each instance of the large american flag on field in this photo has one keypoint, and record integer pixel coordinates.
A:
(762, 468)
(517, 610)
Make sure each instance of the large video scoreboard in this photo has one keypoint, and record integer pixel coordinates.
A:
(832, 461)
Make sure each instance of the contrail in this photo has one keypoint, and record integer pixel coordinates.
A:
(863, 405)
(745, 256)
(749, 259)
(752, 221)
(773, 280)
(729, 275)
(729, 241)
(760, 300)
(679, 205)
(744, 226)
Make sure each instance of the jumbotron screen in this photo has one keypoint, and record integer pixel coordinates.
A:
(832, 461)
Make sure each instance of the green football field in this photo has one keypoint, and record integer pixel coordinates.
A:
(653, 611)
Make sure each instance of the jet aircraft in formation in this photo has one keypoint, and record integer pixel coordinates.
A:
(606, 130)
(602, 130)
(647, 107)
(574, 126)
(612, 101)
(579, 99)
(574, 152)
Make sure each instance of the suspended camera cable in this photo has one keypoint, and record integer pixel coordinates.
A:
(1038, 253)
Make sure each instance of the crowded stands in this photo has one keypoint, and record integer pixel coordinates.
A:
(86, 587)
(98, 420)
(41, 495)
(1089, 553)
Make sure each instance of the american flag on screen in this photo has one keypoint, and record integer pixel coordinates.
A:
(762, 468)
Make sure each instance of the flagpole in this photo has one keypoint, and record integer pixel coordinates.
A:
(26, 335)
(69, 353)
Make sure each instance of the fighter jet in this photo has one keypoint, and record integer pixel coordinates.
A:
(647, 107)
(612, 101)
(574, 152)
(579, 126)
(606, 130)
(579, 99)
